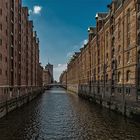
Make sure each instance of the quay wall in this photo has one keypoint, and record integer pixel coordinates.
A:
(12, 98)
(118, 102)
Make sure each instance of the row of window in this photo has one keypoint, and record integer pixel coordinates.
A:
(119, 78)
(119, 29)
(128, 76)
(127, 90)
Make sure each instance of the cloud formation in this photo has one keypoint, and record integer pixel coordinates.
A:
(36, 10)
(58, 70)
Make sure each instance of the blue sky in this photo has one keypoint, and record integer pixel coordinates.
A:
(62, 26)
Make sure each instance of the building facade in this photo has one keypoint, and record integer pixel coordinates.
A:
(50, 68)
(107, 67)
(19, 49)
(47, 77)
(63, 79)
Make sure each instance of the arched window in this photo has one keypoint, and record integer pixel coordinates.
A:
(128, 76)
(139, 22)
(119, 60)
(102, 77)
(139, 39)
(139, 56)
(119, 28)
(119, 76)
(113, 52)
(106, 78)
(119, 48)
(128, 57)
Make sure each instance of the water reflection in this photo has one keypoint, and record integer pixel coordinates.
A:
(63, 116)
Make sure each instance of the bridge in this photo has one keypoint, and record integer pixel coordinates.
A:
(54, 85)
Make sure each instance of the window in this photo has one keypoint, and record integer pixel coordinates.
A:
(127, 90)
(113, 53)
(138, 7)
(119, 48)
(0, 71)
(119, 90)
(138, 76)
(0, 57)
(107, 39)
(119, 28)
(6, 32)
(119, 60)
(0, 11)
(128, 20)
(6, 59)
(107, 57)
(139, 56)
(0, 41)
(128, 27)
(128, 76)
(119, 76)
(106, 78)
(102, 77)
(128, 57)
(0, 26)
(6, 5)
(6, 72)
(139, 22)
(139, 39)
(6, 19)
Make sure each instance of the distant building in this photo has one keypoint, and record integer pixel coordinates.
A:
(63, 78)
(49, 67)
(47, 78)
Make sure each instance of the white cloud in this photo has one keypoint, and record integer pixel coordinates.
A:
(61, 67)
(58, 70)
(69, 54)
(36, 10)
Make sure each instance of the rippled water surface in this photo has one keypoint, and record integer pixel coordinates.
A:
(58, 115)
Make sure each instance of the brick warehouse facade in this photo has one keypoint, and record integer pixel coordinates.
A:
(20, 70)
(107, 68)
(63, 79)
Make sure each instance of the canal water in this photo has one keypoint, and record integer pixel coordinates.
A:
(58, 115)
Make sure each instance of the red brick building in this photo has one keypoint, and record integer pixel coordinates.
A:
(108, 65)
(19, 48)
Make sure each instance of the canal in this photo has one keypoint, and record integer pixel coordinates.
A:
(58, 115)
